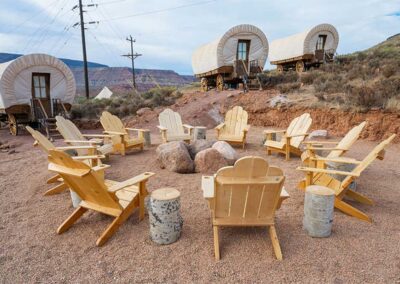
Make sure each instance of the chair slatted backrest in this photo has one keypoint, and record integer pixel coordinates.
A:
(249, 190)
(112, 122)
(172, 121)
(348, 140)
(377, 153)
(84, 181)
(235, 121)
(42, 141)
(299, 125)
(70, 132)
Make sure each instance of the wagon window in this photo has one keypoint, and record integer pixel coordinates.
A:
(243, 49)
(321, 42)
(40, 85)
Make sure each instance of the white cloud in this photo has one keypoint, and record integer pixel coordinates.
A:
(167, 39)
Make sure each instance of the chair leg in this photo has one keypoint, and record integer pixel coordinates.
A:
(359, 197)
(269, 152)
(113, 227)
(350, 210)
(57, 189)
(71, 220)
(53, 179)
(287, 153)
(275, 242)
(216, 243)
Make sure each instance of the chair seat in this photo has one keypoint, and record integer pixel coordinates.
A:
(229, 137)
(106, 149)
(133, 141)
(178, 137)
(274, 144)
(125, 195)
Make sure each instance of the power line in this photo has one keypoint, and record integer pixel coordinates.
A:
(159, 11)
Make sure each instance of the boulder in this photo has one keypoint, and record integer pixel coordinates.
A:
(318, 134)
(199, 145)
(209, 161)
(175, 157)
(226, 151)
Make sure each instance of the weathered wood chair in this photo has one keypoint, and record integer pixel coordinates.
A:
(117, 199)
(73, 136)
(46, 146)
(309, 156)
(292, 137)
(121, 139)
(246, 194)
(234, 129)
(319, 176)
(171, 127)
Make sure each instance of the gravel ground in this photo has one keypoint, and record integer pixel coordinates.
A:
(31, 251)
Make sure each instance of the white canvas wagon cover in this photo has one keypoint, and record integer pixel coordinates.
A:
(303, 43)
(222, 51)
(16, 79)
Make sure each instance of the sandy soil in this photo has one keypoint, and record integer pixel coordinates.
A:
(31, 251)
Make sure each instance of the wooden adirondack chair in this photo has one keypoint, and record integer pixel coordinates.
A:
(171, 127)
(234, 129)
(309, 156)
(121, 140)
(318, 176)
(292, 137)
(246, 194)
(46, 146)
(73, 136)
(117, 199)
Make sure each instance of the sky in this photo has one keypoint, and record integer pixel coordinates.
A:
(167, 32)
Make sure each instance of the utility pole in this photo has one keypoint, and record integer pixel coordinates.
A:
(132, 56)
(85, 68)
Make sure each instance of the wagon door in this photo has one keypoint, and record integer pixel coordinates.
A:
(320, 47)
(41, 92)
(242, 57)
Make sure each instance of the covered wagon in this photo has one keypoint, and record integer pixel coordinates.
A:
(238, 56)
(301, 51)
(34, 89)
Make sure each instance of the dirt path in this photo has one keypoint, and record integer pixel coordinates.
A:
(31, 251)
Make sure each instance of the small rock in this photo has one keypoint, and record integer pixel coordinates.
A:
(143, 111)
(175, 157)
(226, 151)
(199, 145)
(230, 95)
(14, 144)
(12, 152)
(318, 134)
(209, 161)
(278, 100)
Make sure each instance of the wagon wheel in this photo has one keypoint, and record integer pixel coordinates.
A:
(220, 83)
(279, 68)
(204, 84)
(13, 124)
(300, 66)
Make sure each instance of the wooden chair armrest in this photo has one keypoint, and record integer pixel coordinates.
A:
(82, 141)
(324, 171)
(132, 181)
(63, 148)
(326, 148)
(220, 126)
(320, 142)
(91, 157)
(97, 135)
(208, 186)
(337, 160)
(136, 129)
(100, 167)
(188, 126)
(162, 128)
(115, 133)
(298, 135)
(270, 131)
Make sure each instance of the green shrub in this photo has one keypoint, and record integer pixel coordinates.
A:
(272, 79)
(288, 87)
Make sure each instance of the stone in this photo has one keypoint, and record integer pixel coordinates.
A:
(175, 157)
(198, 145)
(278, 100)
(209, 161)
(143, 111)
(199, 132)
(226, 151)
(318, 134)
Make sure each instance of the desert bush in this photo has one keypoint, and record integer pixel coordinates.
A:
(308, 78)
(288, 87)
(389, 70)
(272, 79)
(328, 83)
(364, 96)
(393, 104)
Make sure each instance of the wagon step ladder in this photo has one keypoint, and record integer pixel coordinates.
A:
(47, 123)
